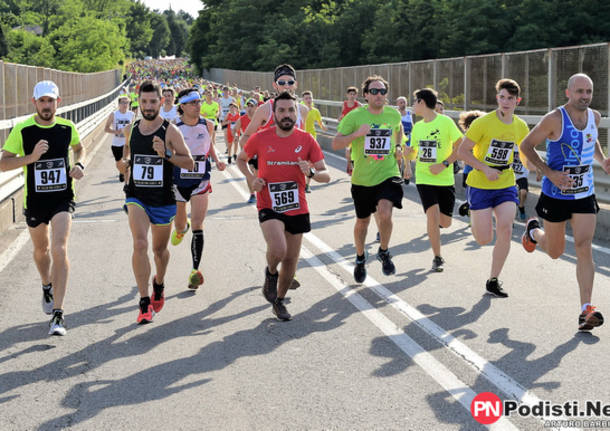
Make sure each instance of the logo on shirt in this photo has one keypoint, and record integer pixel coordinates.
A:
(270, 149)
(298, 149)
(589, 138)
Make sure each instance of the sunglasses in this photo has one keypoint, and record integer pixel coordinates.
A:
(376, 91)
(281, 82)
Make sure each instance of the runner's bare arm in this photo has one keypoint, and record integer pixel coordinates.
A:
(254, 183)
(341, 141)
(108, 127)
(175, 142)
(79, 153)
(260, 115)
(545, 129)
(322, 175)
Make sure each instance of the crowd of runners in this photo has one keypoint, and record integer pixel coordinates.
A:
(164, 143)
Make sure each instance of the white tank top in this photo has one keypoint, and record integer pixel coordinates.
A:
(171, 115)
(120, 121)
(196, 137)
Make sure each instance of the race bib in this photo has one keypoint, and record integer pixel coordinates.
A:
(147, 171)
(50, 175)
(499, 152)
(198, 170)
(517, 165)
(378, 142)
(580, 184)
(427, 151)
(284, 196)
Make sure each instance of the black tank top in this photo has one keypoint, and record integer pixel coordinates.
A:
(151, 176)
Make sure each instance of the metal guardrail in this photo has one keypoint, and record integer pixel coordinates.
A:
(86, 115)
(602, 180)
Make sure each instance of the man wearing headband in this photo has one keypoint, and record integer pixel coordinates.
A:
(242, 125)
(193, 185)
(284, 79)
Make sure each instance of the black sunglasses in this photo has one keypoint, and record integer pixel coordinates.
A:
(376, 91)
(281, 82)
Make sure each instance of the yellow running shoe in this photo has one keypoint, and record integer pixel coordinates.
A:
(195, 279)
(177, 236)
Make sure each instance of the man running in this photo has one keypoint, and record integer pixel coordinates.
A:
(521, 174)
(232, 137)
(488, 147)
(153, 147)
(169, 111)
(40, 145)
(436, 138)
(375, 134)
(283, 212)
(313, 117)
(568, 192)
(351, 102)
(193, 185)
(225, 105)
(115, 124)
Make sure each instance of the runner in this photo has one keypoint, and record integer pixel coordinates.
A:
(225, 103)
(115, 124)
(466, 119)
(232, 138)
(351, 102)
(407, 126)
(193, 185)
(133, 97)
(521, 174)
(40, 145)
(488, 147)
(375, 134)
(153, 147)
(568, 192)
(284, 79)
(313, 117)
(242, 125)
(437, 139)
(283, 212)
(169, 111)
(209, 107)
(439, 108)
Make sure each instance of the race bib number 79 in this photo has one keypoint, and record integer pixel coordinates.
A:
(148, 171)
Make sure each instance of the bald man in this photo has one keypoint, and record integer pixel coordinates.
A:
(568, 187)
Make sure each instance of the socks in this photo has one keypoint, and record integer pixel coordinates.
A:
(197, 247)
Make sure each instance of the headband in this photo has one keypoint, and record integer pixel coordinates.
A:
(193, 95)
(285, 70)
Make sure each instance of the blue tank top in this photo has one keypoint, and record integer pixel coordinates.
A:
(572, 153)
(407, 125)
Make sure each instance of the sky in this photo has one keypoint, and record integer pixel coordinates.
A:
(190, 6)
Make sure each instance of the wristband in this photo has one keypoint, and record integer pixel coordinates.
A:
(80, 165)
(446, 163)
(312, 173)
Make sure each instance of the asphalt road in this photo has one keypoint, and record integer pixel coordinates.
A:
(404, 352)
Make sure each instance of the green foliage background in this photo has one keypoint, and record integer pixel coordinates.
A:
(259, 34)
(88, 35)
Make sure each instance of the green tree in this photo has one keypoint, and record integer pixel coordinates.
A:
(3, 44)
(139, 28)
(160, 37)
(27, 48)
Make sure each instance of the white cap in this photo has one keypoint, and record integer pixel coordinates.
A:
(46, 88)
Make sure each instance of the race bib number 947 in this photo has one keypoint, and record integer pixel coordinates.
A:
(50, 175)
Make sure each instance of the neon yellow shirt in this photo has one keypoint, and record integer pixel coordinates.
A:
(434, 141)
(210, 111)
(310, 123)
(374, 155)
(494, 145)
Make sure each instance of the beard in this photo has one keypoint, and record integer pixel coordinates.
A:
(150, 114)
(286, 124)
(45, 114)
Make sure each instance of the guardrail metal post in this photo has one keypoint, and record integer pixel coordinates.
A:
(466, 83)
(551, 81)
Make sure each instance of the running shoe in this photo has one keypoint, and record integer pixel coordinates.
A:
(177, 236)
(307, 189)
(252, 199)
(464, 210)
(387, 266)
(195, 279)
(294, 284)
(526, 240)
(235, 157)
(589, 319)
(494, 287)
(121, 178)
(146, 312)
(47, 300)
(57, 325)
(279, 309)
(360, 270)
(270, 286)
(437, 264)
(229, 160)
(522, 216)
(158, 298)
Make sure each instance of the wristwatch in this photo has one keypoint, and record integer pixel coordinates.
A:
(168, 154)
(311, 173)
(446, 163)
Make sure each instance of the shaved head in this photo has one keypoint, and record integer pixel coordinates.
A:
(578, 77)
